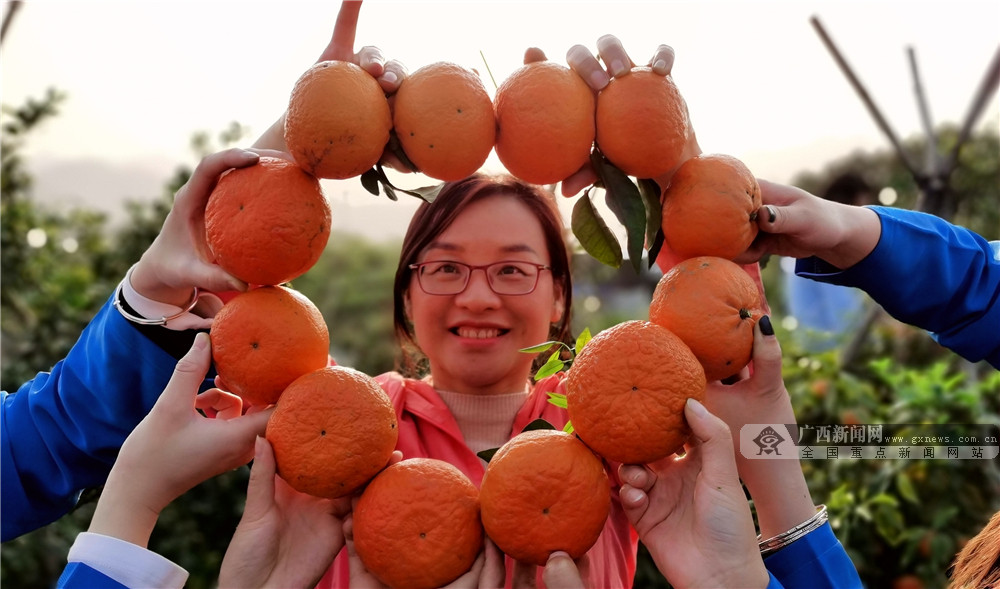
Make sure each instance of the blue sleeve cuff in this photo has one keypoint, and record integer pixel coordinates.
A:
(77, 574)
(817, 560)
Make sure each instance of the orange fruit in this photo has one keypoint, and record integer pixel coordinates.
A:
(332, 430)
(417, 524)
(543, 491)
(338, 120)
(626, 392)
(267, 223)
(545, 122)
(642, 123)
(264, 339)
(710, 207)
(444, 120)
(712, 304)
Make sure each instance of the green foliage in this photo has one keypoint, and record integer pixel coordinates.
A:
(898, 516)
(351, 284)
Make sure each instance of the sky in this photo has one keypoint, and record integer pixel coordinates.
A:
(142, 77)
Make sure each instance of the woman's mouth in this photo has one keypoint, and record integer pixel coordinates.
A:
(478, 332)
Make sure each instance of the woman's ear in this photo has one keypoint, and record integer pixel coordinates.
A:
(558, 306)
(407, 305)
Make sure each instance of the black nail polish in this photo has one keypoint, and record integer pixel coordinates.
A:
(765, 325)
(771, 214)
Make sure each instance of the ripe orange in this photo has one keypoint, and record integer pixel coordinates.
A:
(267, 223)
(545, 122)
(332, 430)
(626, 392)
(543, 491)
(264, 339)
(710, 207)
(444, 120)
(338, 120)
(417, 524)
(642, 123)
(712, 304)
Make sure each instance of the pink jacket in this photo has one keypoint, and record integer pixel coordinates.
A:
(428, 429)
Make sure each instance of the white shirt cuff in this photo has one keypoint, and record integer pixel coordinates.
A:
(208, 304)
(127, 563)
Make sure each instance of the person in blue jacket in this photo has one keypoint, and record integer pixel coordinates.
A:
(60, 432)
(922, 269)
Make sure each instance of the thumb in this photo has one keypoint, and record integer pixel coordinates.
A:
(213, 278)
(561, 572)
(718, 460)
(260, 490)
(779, 213)
(189, 373)
(766, 352)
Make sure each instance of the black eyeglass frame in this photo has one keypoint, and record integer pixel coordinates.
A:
(472, 268)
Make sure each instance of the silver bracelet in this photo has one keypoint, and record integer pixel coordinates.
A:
(116, 301)
(783, 539)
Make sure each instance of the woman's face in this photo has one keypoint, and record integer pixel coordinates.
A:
(472, 338)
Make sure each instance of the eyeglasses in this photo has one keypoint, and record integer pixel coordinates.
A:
(451, 278)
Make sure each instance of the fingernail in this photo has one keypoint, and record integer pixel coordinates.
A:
(250, 155)
(599, 79)
(772, 214)
(390, 77)
(697, 407)
(632, 495)
(765, 325)
(200, 341)
(660, 66)
(258, 447)
(558, 554)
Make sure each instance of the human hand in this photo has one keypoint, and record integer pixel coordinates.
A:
(795, 223)
(285, 538)
(617, 63)
(777, 486)
(179, 259)
(175, 448)
(691, 512)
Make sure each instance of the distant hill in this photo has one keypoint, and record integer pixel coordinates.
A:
(99, 185)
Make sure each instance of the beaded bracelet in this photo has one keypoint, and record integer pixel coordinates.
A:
(116, 301)
(783, 539)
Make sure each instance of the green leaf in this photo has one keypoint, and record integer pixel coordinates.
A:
(553, 365)
(656, 246)
(487, 455)
(593, 233)
(541, 347)
(650, 192)
(568, 428)
(538, 424)
(370, 180)
(905, 487)
(557, 399)
(395, 147)
(624, 200)
(582, 340)
(425, 193)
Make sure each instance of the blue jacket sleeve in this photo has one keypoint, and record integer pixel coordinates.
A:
(815, 561)
(931, 274)
(60, 432)
(78, 575)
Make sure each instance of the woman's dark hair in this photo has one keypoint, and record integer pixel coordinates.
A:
(431, 219)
